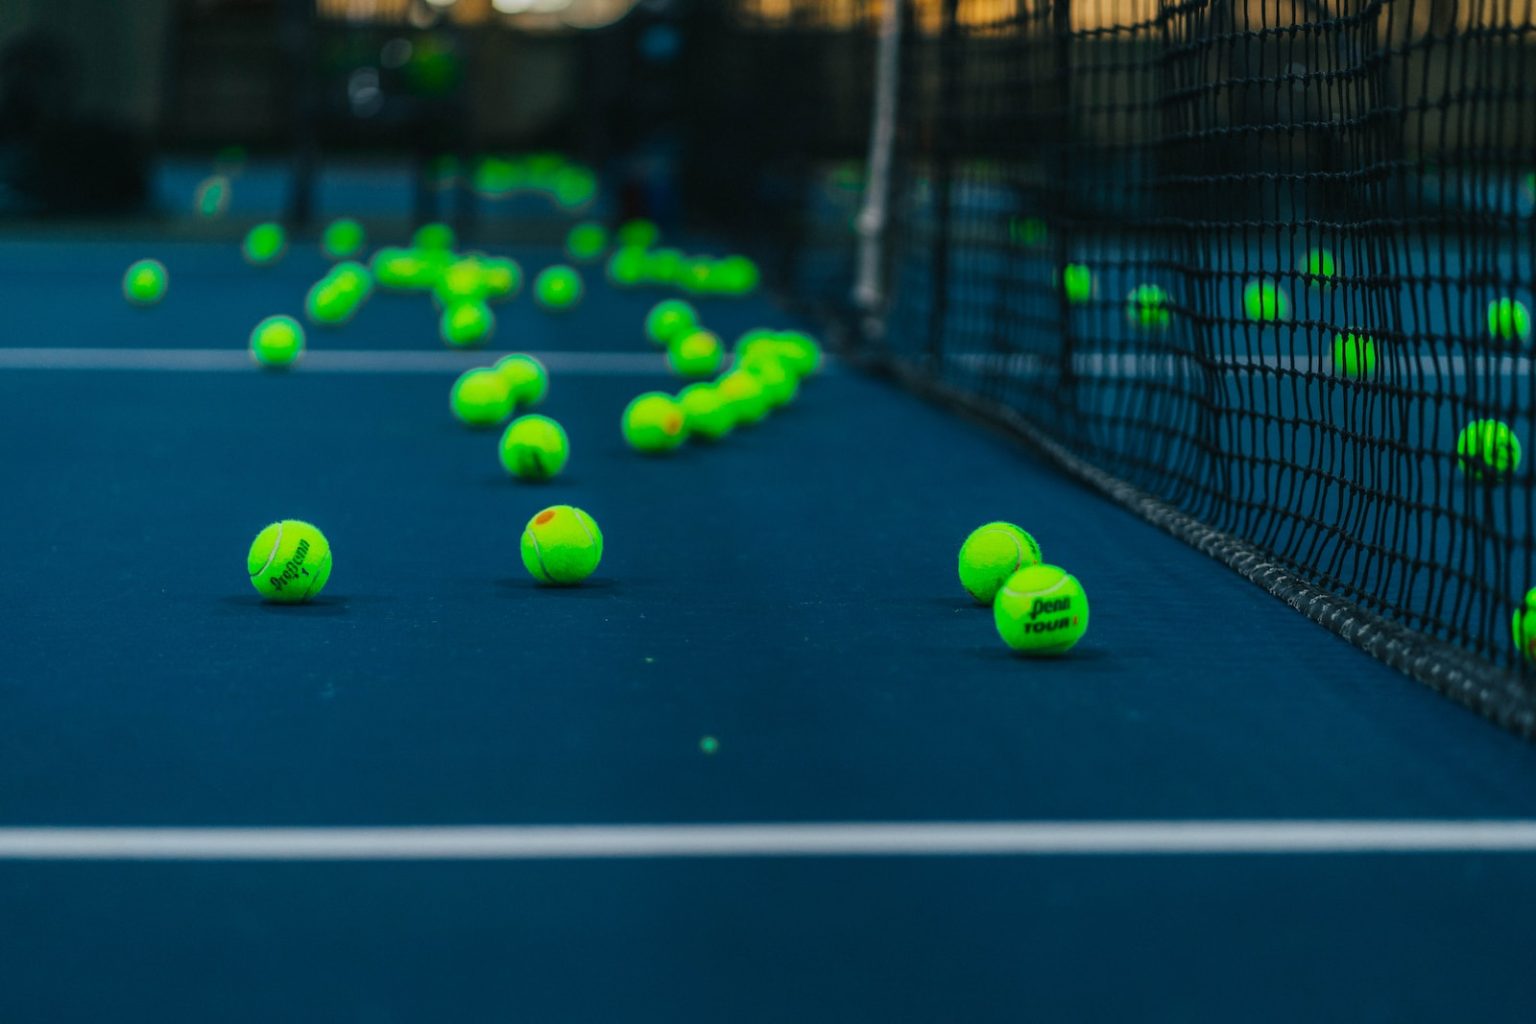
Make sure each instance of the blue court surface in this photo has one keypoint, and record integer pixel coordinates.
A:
(770, 764)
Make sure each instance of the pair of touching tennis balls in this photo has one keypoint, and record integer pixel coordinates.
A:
(1039, 609)
(290, 561)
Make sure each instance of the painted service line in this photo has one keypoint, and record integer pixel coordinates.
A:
(205, 360)
(878, 839)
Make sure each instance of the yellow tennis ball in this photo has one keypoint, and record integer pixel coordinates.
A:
(289, 562)
(277, 342)
(481, 398)
(145, 282)
(467, 324)
(654, 423)
(1509, 320)
(1266, 302)
(1041, 610)
(1523, 626)
(744, 394)
(709, 415)
(695, 354)
(463, 281)
(527, 378)
(779, 384)
(668, 319)
(991, 554)
(1354, 355)
(1487, 450)
(502, 277)
(799, 351)
(562, 545)
(534, 448)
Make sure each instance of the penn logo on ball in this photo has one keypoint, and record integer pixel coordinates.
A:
(1041, 610)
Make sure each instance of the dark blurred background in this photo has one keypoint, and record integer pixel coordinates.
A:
(105, 106)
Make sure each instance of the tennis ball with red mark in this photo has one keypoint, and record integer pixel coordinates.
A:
(562, 545)
(654, 423)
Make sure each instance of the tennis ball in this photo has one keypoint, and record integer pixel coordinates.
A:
(467, 324)
(586, 242)
(264, 244)
(744, 396)
(557, 287)
(502, 277)
(145, 282)
(666, 266)
(277, 342)
(1509, 320)
(1147, 307)
(289, 562)
(1077, 283)
(439, 237)
(653, 423)
(562, 545)
(1319, 266)
(626, 268)
(403, 270)
(343, 239)
(1041, 610)
(736, 275)
(463, 281)
(1266, 302)
(575, 187)
(1487, 450)
(332, 301)
(779, 385)
(695, 354)
(480, 398)
(708, 415)
(696, 276)
(669, 319)
(799, 352)
(1523, 626)
(991, 554)
(756, 338)
(1354, 355)
(534, 448)
(638, 233)
(352, 279)
(526, 377)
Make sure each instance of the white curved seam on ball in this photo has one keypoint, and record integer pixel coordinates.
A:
(538, 554)
(317, 581)
(591, 540)
(1038, 593)
(276, 543)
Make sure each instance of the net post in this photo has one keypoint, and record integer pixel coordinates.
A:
(869, 286)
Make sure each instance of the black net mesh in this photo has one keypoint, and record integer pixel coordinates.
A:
(1263, 262)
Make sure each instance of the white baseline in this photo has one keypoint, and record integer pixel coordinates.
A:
(238, 360)
(873, 839)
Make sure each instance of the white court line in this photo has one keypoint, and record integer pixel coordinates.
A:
(879, 839)
(229, 360)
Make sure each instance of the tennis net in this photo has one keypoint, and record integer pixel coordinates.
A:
(1250, 266)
